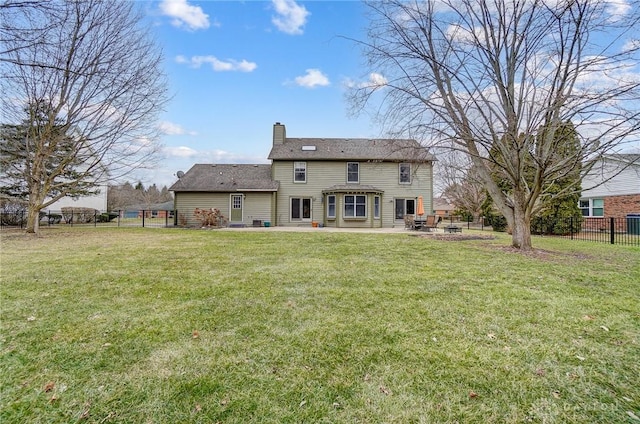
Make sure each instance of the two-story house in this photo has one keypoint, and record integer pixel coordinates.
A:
(356, 183)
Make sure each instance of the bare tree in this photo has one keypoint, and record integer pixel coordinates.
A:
(460, 183)
(83, 84)
(496, 79)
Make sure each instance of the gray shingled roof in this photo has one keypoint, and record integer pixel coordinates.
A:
(630, 158)
(226, 178)
(349, 149)
(352, 188)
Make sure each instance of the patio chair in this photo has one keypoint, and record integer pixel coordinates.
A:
(409, 222)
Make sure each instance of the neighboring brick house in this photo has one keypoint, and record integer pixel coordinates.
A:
(611, 189)
(356, 183)
(443, 208)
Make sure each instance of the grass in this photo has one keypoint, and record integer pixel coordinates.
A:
(168, 325)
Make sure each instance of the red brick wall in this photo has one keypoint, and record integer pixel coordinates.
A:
(614, 207)
(620, 206)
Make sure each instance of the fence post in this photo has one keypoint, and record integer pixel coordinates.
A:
(612, 230)
(95, 218)
(143, 212)
(119, 213)
(571, 231)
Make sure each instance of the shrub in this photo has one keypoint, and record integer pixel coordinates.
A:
(79, 215)
(51, 218)
(107, 216)
(556, 226)
(12, 211)
(209, 217)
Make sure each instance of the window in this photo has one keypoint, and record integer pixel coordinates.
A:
(592, 207)
(355, 206)
(405, 173)
(300, 172)
(300, 208)
(331, 206)
(353, 172)
(376, 207)
(405, 207)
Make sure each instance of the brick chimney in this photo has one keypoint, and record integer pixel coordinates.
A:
(279, 133)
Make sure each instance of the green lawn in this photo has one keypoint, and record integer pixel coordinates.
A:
(177, 326)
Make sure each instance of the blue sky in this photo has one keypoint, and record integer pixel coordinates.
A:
(237, 67)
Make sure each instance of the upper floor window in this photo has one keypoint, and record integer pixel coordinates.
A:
(300, 172)
(353, 172)
(405, 173)
(592, 207)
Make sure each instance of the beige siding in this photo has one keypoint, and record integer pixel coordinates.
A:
(322, 175)
(256, 205)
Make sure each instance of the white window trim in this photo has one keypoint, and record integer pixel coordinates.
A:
(377, 204)
(329, 216)
(591, 207)
(400, 173)
(295, 168)
(302, 218)
(358, 180)
(355, 207)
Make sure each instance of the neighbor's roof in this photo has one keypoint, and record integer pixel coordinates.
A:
(630, 158)
(441, 204)
(360, 149)
(226, 178)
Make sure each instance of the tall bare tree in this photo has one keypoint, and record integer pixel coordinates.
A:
(83, 82)
(502, 76)
(460, 183)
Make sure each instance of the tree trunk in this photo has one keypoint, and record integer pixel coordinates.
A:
(33, 218)
(521, 230)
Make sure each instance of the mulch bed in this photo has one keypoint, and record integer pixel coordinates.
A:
(456, 236)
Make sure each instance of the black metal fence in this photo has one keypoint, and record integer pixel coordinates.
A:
(93, 218)
(624, 231)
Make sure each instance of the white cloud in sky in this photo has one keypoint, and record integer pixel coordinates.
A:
(617, 9)
(375, 81)
(291, 17)
(184, 14)
(313, 78)
(631, 45)
(217, 64)
(170, 128)
(180, 152)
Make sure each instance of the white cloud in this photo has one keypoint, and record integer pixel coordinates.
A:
(180, 152)
(291, 17)
(631, 45)
(170, 128)
(617, 9)
(313, 78)
(217, 64)
(184, 15)
(375, 81)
